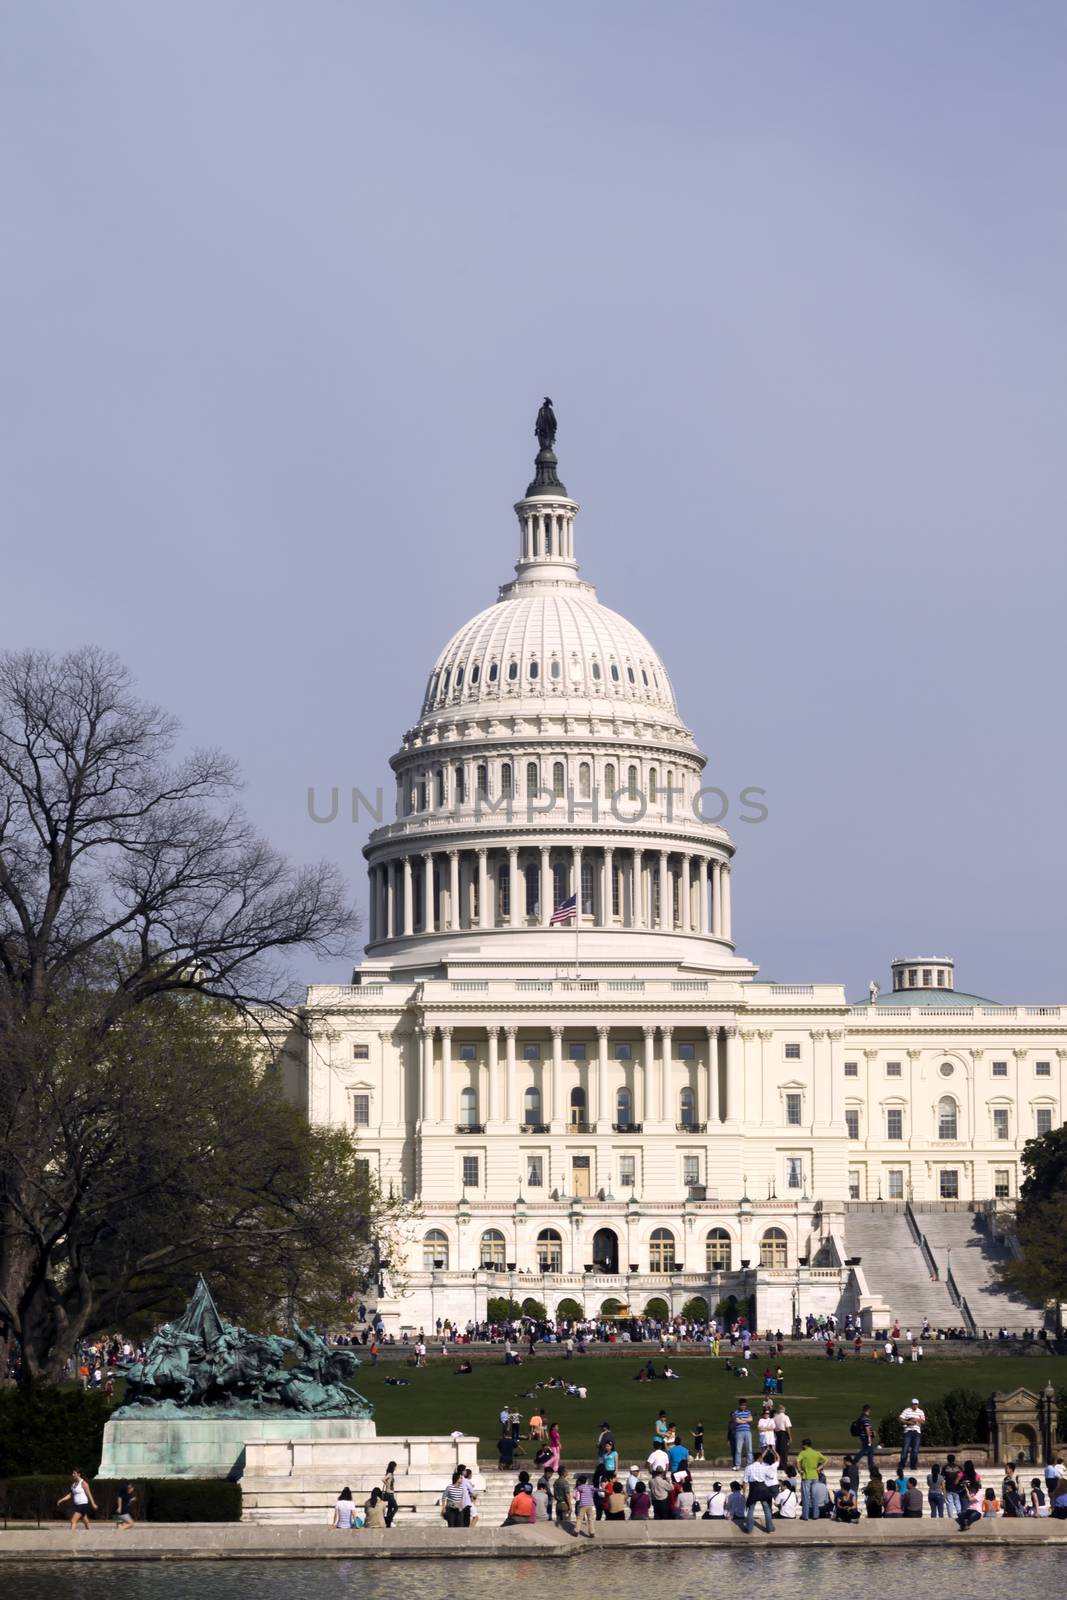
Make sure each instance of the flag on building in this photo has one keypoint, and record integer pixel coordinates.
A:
(566, 912)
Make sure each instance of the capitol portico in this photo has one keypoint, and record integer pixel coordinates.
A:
(552, 1047)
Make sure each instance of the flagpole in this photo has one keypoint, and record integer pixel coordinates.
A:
(577, 920)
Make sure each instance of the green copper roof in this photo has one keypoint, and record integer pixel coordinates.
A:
(928, 997)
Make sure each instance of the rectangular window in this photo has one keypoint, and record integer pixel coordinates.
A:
(623, 1052)
(852, 1123)
(627, 1171)
(577, 1051)
(895, 1183)
(1000, 1122)
(794, 1172)
(792, 1052)
(927, 974)
(1043, 1120)
(894, 1123)
(470, 1172)
(793, 1107)
(853, 1183)
(940, 977)
(1002, 1183)
(361, 1052)
(686, 1051)
(531, 1050)
(535, 1172)
(1043, 1069)
(852, 1069)
(690, 1170)
(362, 1170)
(949, 1184)
(468, 1052)
(1000, 1069)
(361, 1110)
(892, 1069)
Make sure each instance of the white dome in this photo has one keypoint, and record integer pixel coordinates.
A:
(551, 646)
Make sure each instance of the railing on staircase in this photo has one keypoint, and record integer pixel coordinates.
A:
(955, 1294)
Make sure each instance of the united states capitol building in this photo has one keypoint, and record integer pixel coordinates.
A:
(554, 1049)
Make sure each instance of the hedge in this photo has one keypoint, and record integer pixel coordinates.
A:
(959, 1417)
(45, 1428)
(31, 1499)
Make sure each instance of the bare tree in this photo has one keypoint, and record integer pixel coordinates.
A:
(128, 879)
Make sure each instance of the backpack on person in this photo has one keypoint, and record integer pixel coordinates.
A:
(856, 1430)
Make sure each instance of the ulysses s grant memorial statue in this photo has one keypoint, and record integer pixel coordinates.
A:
(211, 1400)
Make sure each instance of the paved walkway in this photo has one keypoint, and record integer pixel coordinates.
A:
(243, 1541)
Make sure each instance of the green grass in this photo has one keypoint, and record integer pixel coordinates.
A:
(822, 1398)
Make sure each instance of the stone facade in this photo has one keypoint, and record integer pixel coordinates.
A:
(600, 1102)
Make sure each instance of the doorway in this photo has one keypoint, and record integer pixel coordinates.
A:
(606, 1250)
(580, 1176)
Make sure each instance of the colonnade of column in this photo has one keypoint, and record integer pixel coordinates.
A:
(653, 1072)
(519, 886)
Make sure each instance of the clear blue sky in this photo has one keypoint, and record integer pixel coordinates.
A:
(283, 285)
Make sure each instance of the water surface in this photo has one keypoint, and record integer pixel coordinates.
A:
(965, 1572)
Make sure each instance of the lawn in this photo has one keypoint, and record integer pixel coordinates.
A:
(822, 1398)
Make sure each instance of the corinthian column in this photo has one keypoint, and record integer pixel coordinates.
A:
(493, 1034)
(558, 1119)
(426, 1091)
(665, 1074)
(409, 898)
(733, 1075)
(603, 1109)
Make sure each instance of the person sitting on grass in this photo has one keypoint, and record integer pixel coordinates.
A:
(463, 1368)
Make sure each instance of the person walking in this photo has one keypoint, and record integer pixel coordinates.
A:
(80, 1496)
(563, 1500)
(453, 1499)
(911, 1418)
(810, 1463)
(124, 1499)
(761, 1478)
(389, 1493)
(741, 1429)
(862, 1431)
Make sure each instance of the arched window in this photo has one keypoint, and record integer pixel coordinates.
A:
(531, 1106)
(492, 672)
(548, 536)
(559, 780)
(585, 782)
(614, 673)
(631, 783)
(533, 669)
(446, 680)
(624, 1107)
(549, 1250)
(653, 784)
(481, 780)
(947, 1120)
(533, 777)
(513, 671)
(422, 794)
(491, 1249)
(503, 891)
(475, 672)
(459, 677)
(559, 885)
(630, 674)
(661, 1250)
(717, 1251)
(772, 1249)
(687, 1109)
(587, 888)
(644, 677)
(609, 779)
(468, 1108)
(505, 779)
(461, 786)
(555, 669)
(532, 875)
(577, 1108)
(434, 1250)
(596, 671)
(439, 786)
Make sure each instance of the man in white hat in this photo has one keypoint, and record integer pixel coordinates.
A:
(911, 1420)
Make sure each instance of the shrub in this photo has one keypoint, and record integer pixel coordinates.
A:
(695, 1310)
(937, 1430)
(657, 1309)
(534, 1308)
(569, 1311)
(32, 1498)
(500, 1309)
(967, 1417)
(46, 1429)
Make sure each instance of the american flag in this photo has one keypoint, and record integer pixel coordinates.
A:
(565, 912)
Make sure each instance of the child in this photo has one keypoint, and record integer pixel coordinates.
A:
(990, 1504)
(698, 1442)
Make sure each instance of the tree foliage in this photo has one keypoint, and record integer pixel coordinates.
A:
(1040, 1271)
(144, 929)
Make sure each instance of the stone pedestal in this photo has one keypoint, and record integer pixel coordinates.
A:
(299, 1480)
(203, 1446)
